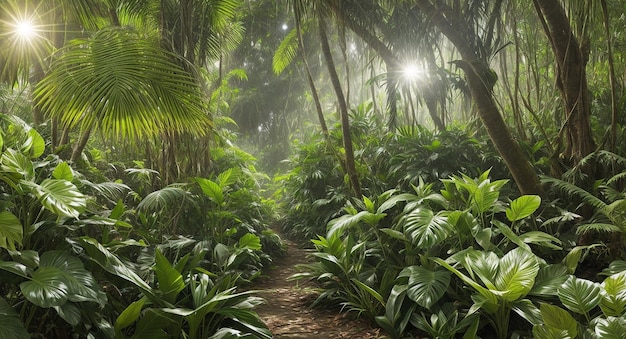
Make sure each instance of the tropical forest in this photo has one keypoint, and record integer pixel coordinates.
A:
(312, 169)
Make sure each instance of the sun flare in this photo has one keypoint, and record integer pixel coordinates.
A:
(25, 29)
(412, 72)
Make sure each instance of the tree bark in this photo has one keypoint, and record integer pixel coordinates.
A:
(343, 110)
(571, 59)
(481, 80)
(314, 93)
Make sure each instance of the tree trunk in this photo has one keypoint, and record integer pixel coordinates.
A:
(80, 145)
(343, 110)
(481, 80)
(571, 59)
(314, 93)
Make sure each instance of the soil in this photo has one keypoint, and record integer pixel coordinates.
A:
(287, 311)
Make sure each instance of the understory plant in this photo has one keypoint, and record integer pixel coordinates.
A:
(464, 259)
(95, 259)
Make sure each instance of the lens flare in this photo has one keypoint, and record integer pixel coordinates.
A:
(25, 30)
(412, 72)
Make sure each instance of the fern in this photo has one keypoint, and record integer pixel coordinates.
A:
(573, 190)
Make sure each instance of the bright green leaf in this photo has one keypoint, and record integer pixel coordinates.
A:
(522, 207)
(63, 171)
(11, 230)
(579, 295)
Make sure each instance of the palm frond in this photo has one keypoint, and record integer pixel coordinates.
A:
(286, 52)
(124, 84)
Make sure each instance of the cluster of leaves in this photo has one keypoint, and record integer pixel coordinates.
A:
(100, 260)
(464, 259)
(313, 191)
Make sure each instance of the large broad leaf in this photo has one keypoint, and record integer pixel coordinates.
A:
(611, 327)
(212, 190)
(70, 313)
(614, 297)
(63, 171)
(549, 279)
(425, 228)
(163, 199)
(522, 207)
(426, 287)
(35, 145)
(60, 197)
(11, 230)
(114, 265)
(483, 264)
(486, 195)
(518, 270)
(250, 241)
(556, 318)
(339, 225)
(579, 295)
(11, 326)
(81, 283)
(170, 280)
(18, 164)
(47, 288)
(229, 177)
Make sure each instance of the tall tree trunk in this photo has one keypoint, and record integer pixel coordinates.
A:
(481, 80)
(316, 99)
(612, 79)
(343, 110)
(571, 79)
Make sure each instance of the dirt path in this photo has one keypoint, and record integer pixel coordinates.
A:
(287, 312)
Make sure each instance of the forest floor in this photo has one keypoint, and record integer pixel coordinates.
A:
(287, 311)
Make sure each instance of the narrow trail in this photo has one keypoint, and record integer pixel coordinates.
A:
(287, 310)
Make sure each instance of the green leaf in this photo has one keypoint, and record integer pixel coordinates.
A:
(112, 264)
(522, 207)
(70, 313)
(425, 228)
(250, 241)
(579, 295)
(611, 328)
(11, 230)
(549, 279)
(63, 171)
(60, 197)
(130, 314)
(543, 331)
(212, 190)
(11, 326)
(425, 287)
(557, 318)
(47, 288)
(170, 280)
(613, 301)
(509, 234)
(81, 284)
(35, 145)
(362, 286)
(486, 293)
(518, 270)
(163, 199)
(18, 164)
(541, 239)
